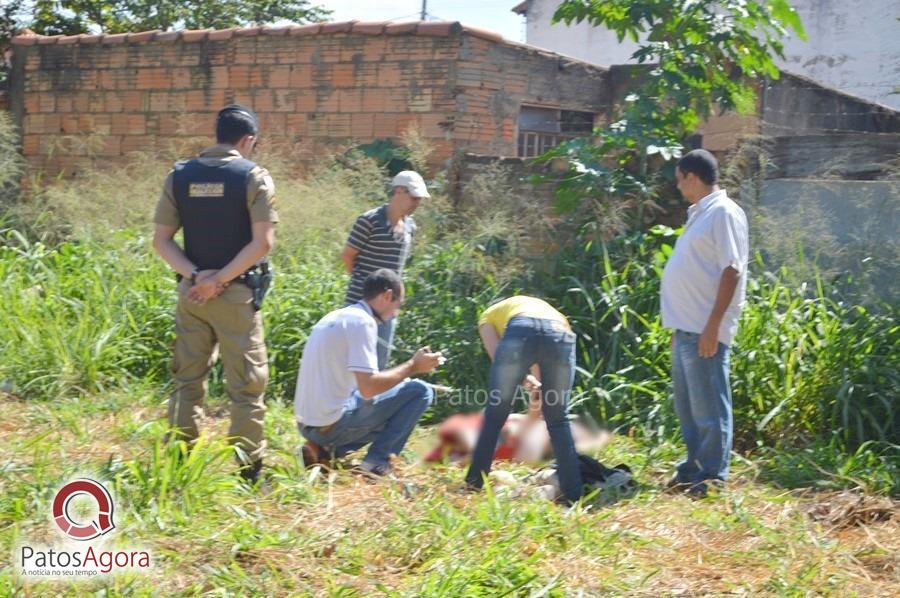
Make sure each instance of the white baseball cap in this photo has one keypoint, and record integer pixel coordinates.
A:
(412, 181)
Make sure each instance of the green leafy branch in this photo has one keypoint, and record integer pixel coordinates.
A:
(695, 56)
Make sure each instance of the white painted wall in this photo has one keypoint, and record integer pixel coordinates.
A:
(852, 45)
(582, 41)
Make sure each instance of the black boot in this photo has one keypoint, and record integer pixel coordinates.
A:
(251, 473)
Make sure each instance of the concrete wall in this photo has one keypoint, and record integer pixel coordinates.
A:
(857, 211)
(794, 105)
(845, 155)
(314, 87)
(466, 167)
(852, 45)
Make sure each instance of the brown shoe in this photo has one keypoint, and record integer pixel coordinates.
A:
(314, 454)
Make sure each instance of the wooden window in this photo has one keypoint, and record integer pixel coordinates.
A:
(541, 129)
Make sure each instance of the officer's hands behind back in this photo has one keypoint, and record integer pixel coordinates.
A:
(205, 287)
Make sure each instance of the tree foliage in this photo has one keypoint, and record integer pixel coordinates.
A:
(699, 55)
(54, 17)
(69, 17)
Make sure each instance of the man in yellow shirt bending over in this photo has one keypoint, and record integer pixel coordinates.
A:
(522, 334)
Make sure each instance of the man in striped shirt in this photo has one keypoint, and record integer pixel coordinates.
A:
(382, 238)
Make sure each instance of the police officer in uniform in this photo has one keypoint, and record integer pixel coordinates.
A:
(226, 206)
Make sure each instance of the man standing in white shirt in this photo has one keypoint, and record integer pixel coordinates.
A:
(343, 402)
(702, 294)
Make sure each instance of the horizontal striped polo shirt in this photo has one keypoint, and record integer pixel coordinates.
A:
(378, 247)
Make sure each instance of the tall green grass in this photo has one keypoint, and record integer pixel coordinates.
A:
(84, 317)
(88, 308)
(806, 365)
(610, 291)
(810, 365)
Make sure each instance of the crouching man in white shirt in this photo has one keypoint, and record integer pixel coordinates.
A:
(342, 402)
(702, 293)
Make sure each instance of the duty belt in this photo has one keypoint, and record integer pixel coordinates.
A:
(258, 278)
(247, 278)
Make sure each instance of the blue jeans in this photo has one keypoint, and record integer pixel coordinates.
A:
(703, 406)
(550, 345)
(385, 420)
(385, 342)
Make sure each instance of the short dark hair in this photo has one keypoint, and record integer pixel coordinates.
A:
(382, 280)
(233, 122)
(701, 163)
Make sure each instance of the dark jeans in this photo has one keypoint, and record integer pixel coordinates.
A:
(550, 345)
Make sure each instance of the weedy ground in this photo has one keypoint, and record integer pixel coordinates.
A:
(85, 343)
(312, 532)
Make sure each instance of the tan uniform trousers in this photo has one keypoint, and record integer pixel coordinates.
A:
(229, 326)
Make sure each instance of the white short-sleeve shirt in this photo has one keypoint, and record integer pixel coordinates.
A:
(341, 343)
(715, 237)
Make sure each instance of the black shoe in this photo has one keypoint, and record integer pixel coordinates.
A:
(702, 489)
(373, 472)
(251, 473)
(698, 490)
(468, 488)
(677, 484)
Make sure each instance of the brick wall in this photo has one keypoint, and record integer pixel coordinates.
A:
(495, 79)
(314, 87)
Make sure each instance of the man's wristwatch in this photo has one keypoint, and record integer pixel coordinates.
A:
(194, 274)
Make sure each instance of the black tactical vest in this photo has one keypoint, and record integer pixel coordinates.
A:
(212, 205)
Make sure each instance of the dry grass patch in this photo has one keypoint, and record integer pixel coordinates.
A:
(327, 533)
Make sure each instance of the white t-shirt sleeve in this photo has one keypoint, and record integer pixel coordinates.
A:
(362, 338)
(731, 242)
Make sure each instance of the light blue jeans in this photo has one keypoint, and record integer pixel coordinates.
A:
(385, 342)
(385, 420)
(549, 344)
(703, 406)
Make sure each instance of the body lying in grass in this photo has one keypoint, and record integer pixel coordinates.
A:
(523, 438)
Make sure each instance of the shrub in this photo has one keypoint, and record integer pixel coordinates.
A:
(11, 163)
